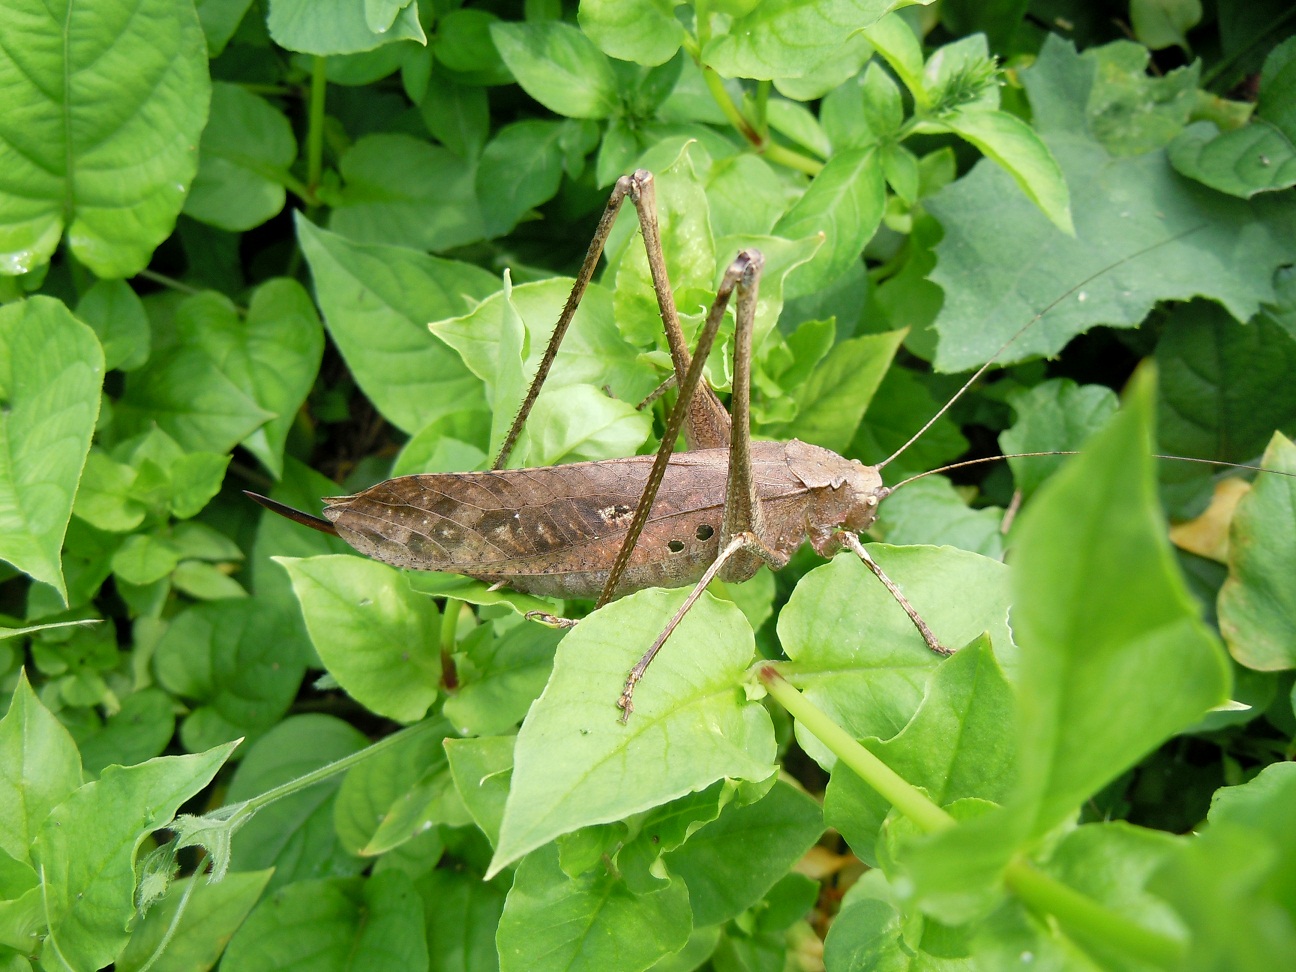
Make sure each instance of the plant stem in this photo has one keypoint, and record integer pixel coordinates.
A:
(1081, 916)
(771, 150)
(315, 128)
(1086, 919)
(904, 796)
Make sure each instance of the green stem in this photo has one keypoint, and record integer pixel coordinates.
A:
(904, 796)
(449, 623)
(793, 160)
(771, 150)
(1086, 919)
(315, 127)
(1081, 916)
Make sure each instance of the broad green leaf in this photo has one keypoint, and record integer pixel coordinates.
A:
(294, 835)
(457, 115)
(461, 912)
(1226, 389)
(788, 38)
(197, 389)
(144, 558)
(39, 768)
(579, 423)
(796, 122)
(644, 31)
(141, 729)
(827, 75)
(104, 105)
(377, 301)
(900, 407)
(463, 44)
(212, 913)
(834, 398)
(894, 39)
(236, 663)
(205, 582)
(373, 790)
(1056, 414)
(119, 320)
(932, 511)
(559, 67)
(958, 745)
(1164, 23)
(744, 196)
(1093, 534)
(691, 725)
(375, 635)
(506, 387)
(482, 767)
(243, 160)
(51, 370)
(855, 652)
(592, 922)
(1013, 144)
(86, 849)
(1256, 158)
(326, 924)
(325, 27)
(1232, 885)
(1257, 604)
(520, 168)
(723, 877)
(1175, 243)
(275, 353)
(220, 19)
(844, 202)
(593, 351)
(407, 192)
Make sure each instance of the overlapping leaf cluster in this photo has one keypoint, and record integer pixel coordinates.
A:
(239, 241)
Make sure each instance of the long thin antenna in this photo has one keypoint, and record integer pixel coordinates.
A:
(1075, 452)
(1023, 329)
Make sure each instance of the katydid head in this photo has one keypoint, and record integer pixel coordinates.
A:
(844, 493)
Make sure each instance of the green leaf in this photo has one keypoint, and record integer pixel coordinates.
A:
(895, 40)
(210, 916)
(405, 191)
(834, 398)
(39, 768)
(521, 167)
(855, 652)
(193, 388)
(325, 27)
(958, 745)
(295, 835)
(1226, 390)
(1232, 885)
(482, 767)
(243, 161)
(592, 922)
(86, 849)
(1055, 414)
(462, 912)
(1256, 158)
(644, 31)
(51, 370)
(463, 44)
(119, 320)
(1012, 143)
(97, 91)
(1093, 534)
(377, 301)
(326, 923)
(457, 115)
(592, 353)
(845, 203)
(723, 877)
(1164, 23)
(581, 423)
(236, 663)
(788, 38)
(375, 635)
(931, 511)
(1257, 604)
(205, 582)
(559, 67)
(143, 559)
(141, 729)
(689, 702)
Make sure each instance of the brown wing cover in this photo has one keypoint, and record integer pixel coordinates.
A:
(556, 529)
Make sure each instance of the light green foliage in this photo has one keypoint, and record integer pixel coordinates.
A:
(922, 181)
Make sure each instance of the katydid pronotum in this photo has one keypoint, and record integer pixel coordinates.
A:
(614, 526)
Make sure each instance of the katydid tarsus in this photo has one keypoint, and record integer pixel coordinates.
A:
(614, 526)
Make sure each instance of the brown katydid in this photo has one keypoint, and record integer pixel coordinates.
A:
(614, 526)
